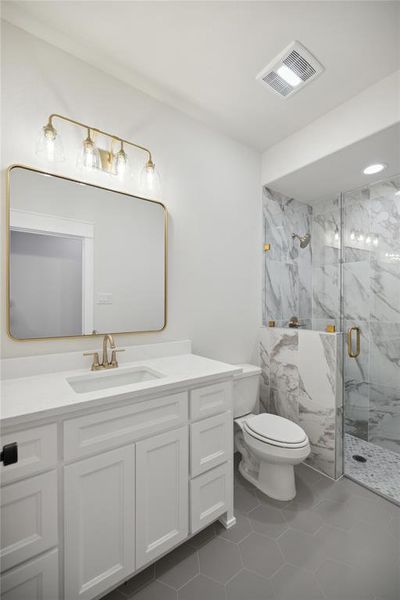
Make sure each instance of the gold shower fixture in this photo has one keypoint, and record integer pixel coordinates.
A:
(113, 161)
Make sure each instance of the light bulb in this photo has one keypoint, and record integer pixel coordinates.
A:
(49, 144)
(150, 184)
(375, 241)
(336, 235)
(368, 240)
(352, 235)
(88, 157)
(360, 237)
(120, 162)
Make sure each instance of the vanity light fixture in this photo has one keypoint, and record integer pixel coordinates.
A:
(88, 157)
(120, 162)
(375, 168)
(49, 144)
(93, 157)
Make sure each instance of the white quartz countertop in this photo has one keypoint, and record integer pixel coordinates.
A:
(25, 399)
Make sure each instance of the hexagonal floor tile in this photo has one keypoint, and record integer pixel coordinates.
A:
(292, 583)
(339, 514)
(304, 519)
(244, 499)
(201, 588)
(301, 549)
(238, 532)
(178, 567)
(268, 520)
(220, 560)
(341, 582)
(138, 581)
(248, 585)
(155, 591)
(261, 554)
(204, 536)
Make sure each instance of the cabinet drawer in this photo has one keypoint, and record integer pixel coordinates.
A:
(37, 451)
(210, 495)
(210, 400)
(28, 518)
(210, 443)
(105, 430)
(35, 580)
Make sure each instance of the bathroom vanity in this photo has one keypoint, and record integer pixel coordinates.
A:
(114, 468)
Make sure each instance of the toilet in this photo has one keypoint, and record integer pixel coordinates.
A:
(269, 445)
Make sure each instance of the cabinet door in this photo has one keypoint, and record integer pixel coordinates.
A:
(162, 494)
(29, 522)
(34, 580)
(99, 526)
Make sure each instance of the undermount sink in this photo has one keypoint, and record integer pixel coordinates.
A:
(95, 381)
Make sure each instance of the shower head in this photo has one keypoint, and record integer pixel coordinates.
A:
(304, 240)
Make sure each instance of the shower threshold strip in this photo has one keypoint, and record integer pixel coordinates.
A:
(380, 471)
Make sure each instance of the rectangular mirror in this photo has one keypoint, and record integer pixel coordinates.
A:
(82, 259)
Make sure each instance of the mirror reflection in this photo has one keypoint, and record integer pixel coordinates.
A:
(82, 259)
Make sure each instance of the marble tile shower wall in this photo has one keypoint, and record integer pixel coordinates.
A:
(302, 282)
(371, 300)
(301, 380)
(325, 240)
(287, 285)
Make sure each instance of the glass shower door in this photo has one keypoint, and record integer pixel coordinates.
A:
(371, 325)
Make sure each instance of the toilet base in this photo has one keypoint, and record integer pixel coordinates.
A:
(276, 481)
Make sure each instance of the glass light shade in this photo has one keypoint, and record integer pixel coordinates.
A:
(150, 183)
(88, 157)
(49, 144)
(120, 163)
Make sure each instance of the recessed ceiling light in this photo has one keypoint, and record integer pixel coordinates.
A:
(376, 168)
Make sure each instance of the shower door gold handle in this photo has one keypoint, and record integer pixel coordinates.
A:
(350, 342)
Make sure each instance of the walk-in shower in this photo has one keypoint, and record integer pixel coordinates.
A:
(345, 279)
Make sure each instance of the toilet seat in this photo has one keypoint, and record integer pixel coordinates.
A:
(276, 431)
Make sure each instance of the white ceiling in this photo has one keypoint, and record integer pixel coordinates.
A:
(343, 170)
(202, 57)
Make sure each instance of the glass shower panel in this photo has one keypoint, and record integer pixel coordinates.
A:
(371, 325)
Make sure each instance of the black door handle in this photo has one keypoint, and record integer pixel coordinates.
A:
(9, 454)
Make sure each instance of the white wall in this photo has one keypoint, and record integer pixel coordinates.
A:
(375, 109)
(211, 188)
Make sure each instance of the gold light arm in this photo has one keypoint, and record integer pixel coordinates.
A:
(110, 135)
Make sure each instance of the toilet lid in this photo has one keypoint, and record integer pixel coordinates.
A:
(277, 429)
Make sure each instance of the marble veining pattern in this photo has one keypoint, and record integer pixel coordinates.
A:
(300, 382)
(287, 273)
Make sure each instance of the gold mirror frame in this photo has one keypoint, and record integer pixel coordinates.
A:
(8, 206)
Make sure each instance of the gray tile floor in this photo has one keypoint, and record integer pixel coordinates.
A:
(381, 472)
(334, 541)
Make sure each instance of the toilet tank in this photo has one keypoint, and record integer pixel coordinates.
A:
(246, 387)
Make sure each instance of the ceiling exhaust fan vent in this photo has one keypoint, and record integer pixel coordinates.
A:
(291, 70)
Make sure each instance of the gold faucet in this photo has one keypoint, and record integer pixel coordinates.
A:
(105, 364)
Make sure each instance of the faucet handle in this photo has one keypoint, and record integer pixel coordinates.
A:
(96, 360)
(114, 362)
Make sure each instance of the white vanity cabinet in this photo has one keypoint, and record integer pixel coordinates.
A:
(97, 495)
